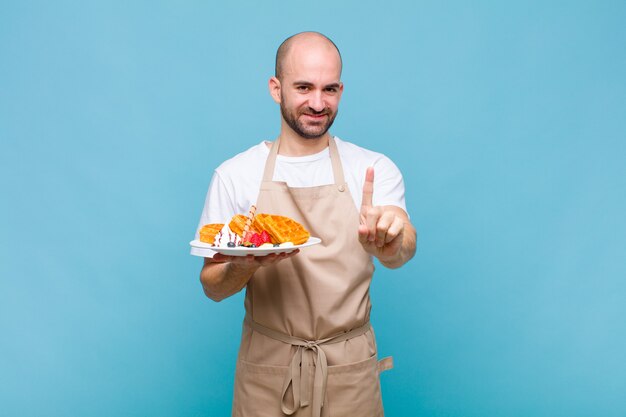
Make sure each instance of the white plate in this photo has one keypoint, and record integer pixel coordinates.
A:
(243, 251)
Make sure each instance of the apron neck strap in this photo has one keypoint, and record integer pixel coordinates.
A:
(270, 164)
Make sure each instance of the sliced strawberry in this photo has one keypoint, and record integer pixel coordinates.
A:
(265, 237)
(256, 240)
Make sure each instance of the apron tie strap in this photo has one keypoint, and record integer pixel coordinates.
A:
(298, 374)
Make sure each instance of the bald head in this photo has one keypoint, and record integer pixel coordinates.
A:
(298, 41)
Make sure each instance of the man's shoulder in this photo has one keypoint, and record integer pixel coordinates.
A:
(250, 158)
(352, 151)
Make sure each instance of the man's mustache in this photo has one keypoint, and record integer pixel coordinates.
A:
(317, 113)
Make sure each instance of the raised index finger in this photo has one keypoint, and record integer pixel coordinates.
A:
(368, 188)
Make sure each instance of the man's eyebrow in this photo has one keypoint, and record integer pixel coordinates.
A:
(309, 84)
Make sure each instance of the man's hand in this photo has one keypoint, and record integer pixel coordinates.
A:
(252, 261)
(382, 229)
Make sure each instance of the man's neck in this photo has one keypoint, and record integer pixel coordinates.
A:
(292, 144)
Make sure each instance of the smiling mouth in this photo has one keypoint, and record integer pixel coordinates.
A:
(316, 116)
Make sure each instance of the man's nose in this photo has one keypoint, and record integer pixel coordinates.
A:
(316, 102)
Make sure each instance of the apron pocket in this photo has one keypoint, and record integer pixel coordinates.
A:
(257, 390)
(354, 390)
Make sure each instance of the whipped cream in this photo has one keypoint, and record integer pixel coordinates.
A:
(224, 236)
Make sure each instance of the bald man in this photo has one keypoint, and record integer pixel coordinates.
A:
(307, 346)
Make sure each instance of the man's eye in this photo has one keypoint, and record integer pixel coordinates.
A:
(331, 90)
(302, 88)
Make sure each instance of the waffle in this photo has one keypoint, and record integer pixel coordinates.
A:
(238, 222)
(281, 229)
(208, 232)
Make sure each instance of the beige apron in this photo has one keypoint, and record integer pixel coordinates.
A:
(307, 347)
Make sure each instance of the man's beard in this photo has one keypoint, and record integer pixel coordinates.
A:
(308, 132)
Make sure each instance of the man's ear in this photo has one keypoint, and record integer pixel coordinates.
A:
(274, 87)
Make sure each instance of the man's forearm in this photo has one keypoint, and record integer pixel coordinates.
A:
(223, 276)
(221, 280)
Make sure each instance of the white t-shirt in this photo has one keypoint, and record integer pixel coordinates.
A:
(236, 182)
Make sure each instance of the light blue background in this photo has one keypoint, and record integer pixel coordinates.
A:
(507, 119)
